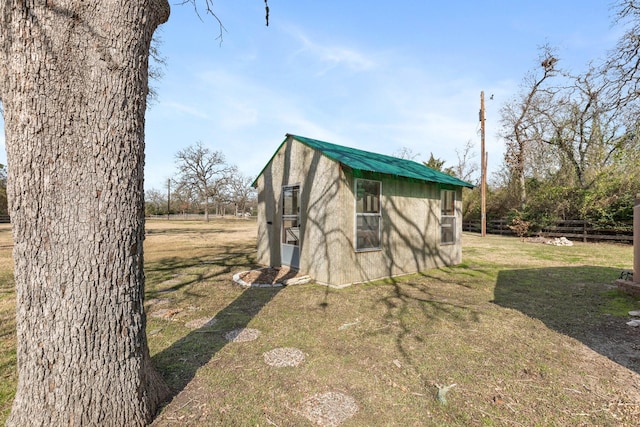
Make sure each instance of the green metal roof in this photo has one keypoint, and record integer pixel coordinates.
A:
(365, 161)
(361, 160)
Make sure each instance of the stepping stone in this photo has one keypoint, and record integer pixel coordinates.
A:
(203, 322)
(635, 313)
(283, 357)
(329, 409)
(242, 335)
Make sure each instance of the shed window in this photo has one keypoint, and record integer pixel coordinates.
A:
(368, 214)
(447, 217)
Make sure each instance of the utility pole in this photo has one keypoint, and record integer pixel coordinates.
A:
(168, 198)
(483, 173)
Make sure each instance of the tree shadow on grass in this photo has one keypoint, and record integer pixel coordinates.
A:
(580, 302)
(179, 362)
(412, 303)
(175, 273)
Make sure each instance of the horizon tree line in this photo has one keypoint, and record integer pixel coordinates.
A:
(205, 183)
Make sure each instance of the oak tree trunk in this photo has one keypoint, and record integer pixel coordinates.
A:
(73, 84)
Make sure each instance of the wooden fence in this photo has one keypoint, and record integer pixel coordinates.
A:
(571, 229)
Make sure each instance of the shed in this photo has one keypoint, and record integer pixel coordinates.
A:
(344, 216)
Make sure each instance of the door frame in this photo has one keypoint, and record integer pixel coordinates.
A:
(290, 252)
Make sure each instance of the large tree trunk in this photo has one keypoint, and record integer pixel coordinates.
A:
(73, 82)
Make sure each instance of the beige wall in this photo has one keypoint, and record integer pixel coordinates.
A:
(410, 221)
(410, 233)
(320, 192)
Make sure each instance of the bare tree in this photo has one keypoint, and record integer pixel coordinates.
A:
(3, 190)
(519, 119)
(406, 153)
(466, 167)
(587, 130)
(183, 199)
(155, 202)
(204, 171)
(241, 192)
(157, 63)
(622, 68)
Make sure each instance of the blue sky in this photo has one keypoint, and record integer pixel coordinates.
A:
(374, 75)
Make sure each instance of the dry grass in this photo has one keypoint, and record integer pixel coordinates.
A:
(8, 376)
(522, 330)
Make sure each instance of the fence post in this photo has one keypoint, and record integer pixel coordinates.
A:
(636, 239)
(584, 231)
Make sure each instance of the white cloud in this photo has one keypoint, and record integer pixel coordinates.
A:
(186, 109)
(331, 56)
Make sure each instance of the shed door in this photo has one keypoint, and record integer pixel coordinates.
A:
(290, 247)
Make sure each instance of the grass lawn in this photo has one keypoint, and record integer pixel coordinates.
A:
(529, 334)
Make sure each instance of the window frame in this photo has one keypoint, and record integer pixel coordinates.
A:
(367, 214)
(448, 217)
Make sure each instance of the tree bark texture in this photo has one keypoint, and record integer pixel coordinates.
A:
(73, 83)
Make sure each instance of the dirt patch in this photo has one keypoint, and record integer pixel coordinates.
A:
(618, 341)
(273, 276)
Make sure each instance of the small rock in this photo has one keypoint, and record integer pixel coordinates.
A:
(560, 241)
(348, 325)
(634, 323)
(166, 313)
(297, 280)
(635, 313)
(442, 393)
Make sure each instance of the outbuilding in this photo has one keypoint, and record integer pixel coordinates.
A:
(344, 216)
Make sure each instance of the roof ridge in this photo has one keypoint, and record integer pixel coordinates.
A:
(299, 138)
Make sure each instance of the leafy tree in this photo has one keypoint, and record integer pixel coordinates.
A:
(204, 172)
(438, 164)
